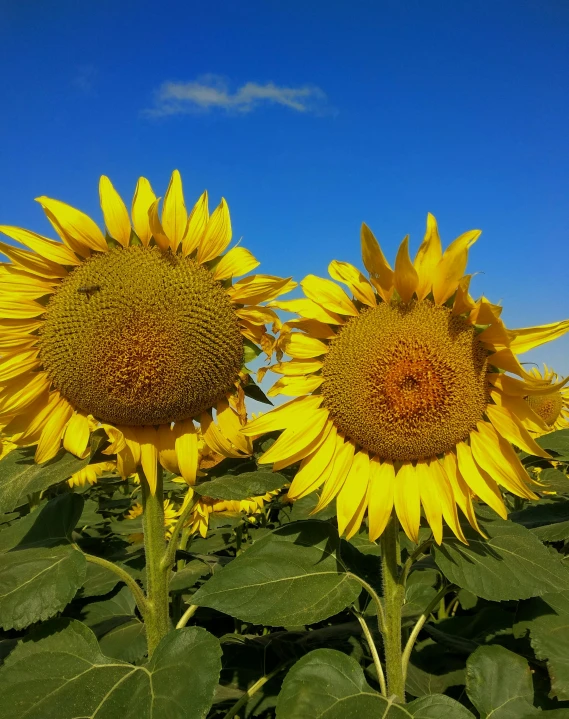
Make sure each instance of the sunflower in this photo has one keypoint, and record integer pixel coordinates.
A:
(171, 515)
(552, 407)
(139, 331)
(405, 394)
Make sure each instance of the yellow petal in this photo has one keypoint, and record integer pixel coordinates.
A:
(215, 438)
(174, 213)
(217, 234)
(353, 278)
(142, 201)
(296, 368)
(381, 491)
(327, 294)
(310, 310)
(230, 425)
(463, 302)
(31, 423)
(166, 438)
(522, 411)
(21, 393)
(17, 363)
(517, 388)
(238, 261)
(511, 429)
(495, 336)
(353, 492)
(283, 416)
(452, 266)
(156, 228)
(380, 271)
(148, 441)
(314, 328)
(257, 315)
(186, 444)
(460, 490)
(114, 212)
(343, 458)
(48, 249)
(526, 338)
(430, 499)
(442, 488)
(24, 309)
(77, 433)
(428, 257)
(405, 278)
(32, 262)
(296, 437)
(505, 359)
(301, 453)
(301, 346)
(74, 224)
(255, 289)
(17, 341)
(295, 386)
(498, 459)
(315, 469)
(407, 500)
(480, 482)
(197, 222)
(50, 439)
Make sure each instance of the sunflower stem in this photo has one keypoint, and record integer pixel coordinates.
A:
(157, 615)
(394, 595)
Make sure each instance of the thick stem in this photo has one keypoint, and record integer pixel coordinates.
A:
(394, 595)
(157, 615)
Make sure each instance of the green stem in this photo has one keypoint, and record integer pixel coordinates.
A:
(419, 625)
(374, 654)
(254, 689)
(170, 554)
(125, 577)
(187, 615)
(157, 617)
(373, 594)
(394, 596)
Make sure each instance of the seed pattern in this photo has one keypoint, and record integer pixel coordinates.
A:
(406, 382)
(138, 337)
(547, 406)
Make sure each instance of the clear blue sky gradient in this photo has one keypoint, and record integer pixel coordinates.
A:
(458, 108)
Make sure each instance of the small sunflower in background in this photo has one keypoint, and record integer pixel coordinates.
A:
(404, 391)
(552, 407)
(139, 331)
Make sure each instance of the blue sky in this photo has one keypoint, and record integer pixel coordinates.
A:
(309, 117)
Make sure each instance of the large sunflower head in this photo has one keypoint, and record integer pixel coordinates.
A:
(551, 407)
(138, 329)
(409, 393)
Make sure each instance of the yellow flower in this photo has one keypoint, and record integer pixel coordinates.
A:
(139, 330)
(552, 408)
(205, 506)
(404, 393)
(90, 473)
(171, 514)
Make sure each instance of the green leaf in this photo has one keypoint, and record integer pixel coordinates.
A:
(126, 642)
(420, 682)
(253, 391)
(250, 351)
(542, 513)
(327, 684)
(186, 577)
(241, 486)
(557, 442)
(66, 676)
(20, 475)
(547, 620)
(553, 481)
(292, 576)
(40, 570)
(511, 564)
(438, 706)
(98, 581)
(499, 684)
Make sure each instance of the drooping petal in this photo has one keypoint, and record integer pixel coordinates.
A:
(507, 425)
(187, 454)
(284, 415)
(146, 437)
(230, 425)
(405, 278)
(428, 257)
(353, 278)
(215, 438)
(526, 338)
(407, 500)
(142, 201)
(48, 249)
(379, 269)
(238, 261)
(50, 438)
(430, 499)
(82, 233)
(343, 458)
(353, 492)
(114, 212)
(315, 469)
(381, 495)
(33, 263)
(255, 289)
(77, 433)
(296, 437)
(481, 484)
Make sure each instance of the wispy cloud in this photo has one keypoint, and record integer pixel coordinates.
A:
(211, 92)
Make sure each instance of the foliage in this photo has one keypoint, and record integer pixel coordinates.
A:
(281, 613)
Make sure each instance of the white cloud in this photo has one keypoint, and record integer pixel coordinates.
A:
(211, 92)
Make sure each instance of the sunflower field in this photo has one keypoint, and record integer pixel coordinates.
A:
(388, 538)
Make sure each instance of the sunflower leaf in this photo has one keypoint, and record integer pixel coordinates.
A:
(40, 569)
(511, 564)
(499, 684)
(65, 675)
(292, 576)
(241, 486)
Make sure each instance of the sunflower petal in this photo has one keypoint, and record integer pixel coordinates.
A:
(148, 441)
(21, 393)
(77, 433)
(405, 278)
(295, 386)
(296, 368)
(197, 222)
(301, 346)
(215, 438)
(379, 269)
(526, 338)
(407, 500)
(310, 310)
(428, 257)
(327, 294)
(511, 429)
(452, 265)
(283, 416)
(343, 458)
(156, 228)
(48, 249)
(255, 289)
(186, 445)
(230, 425)
(238, 261)
(17, 363)
(142, 201)
(114, 212)
(316, 468)
(50, 438)
(353, 492)
(430, 498)
(481, 484)
(33, 263)
(75, 225)
(174, 213)
(297, 437)
(381, 491)
(353, 278)
(217, 234)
